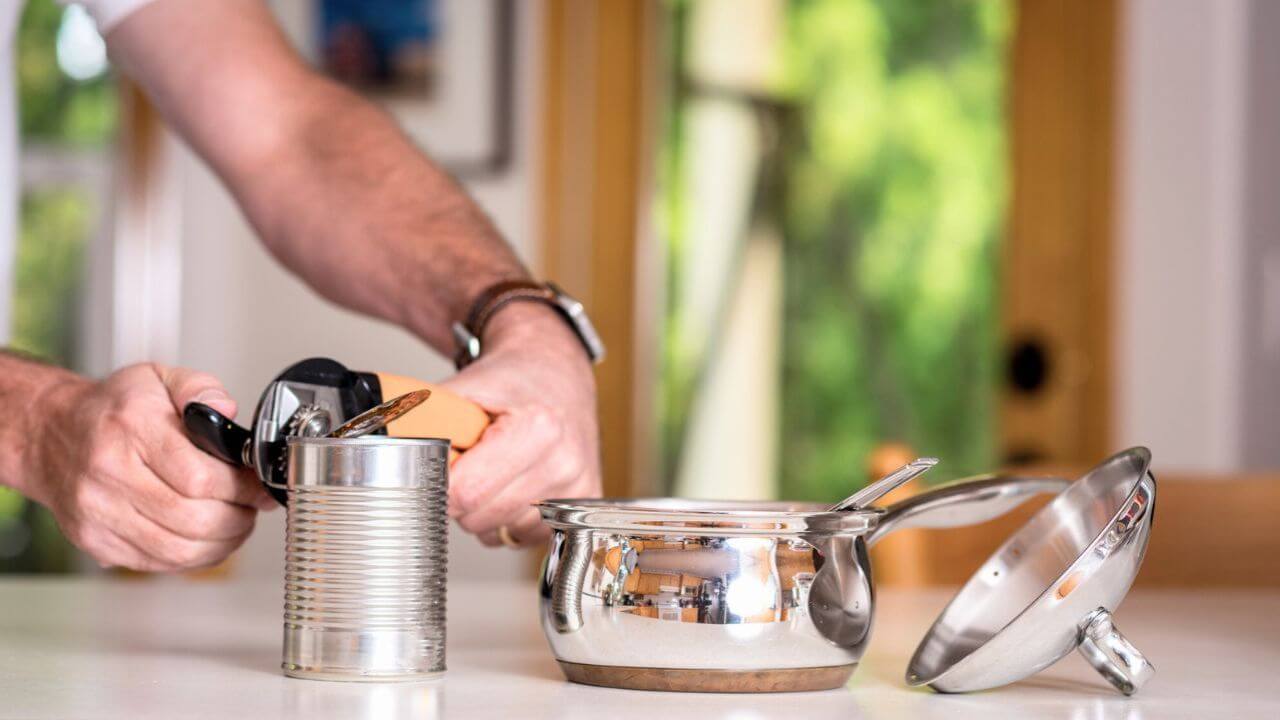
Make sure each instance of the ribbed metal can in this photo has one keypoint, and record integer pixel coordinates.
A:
(366, 558)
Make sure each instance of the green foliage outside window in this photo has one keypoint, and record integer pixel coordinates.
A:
(893, 188)
(53, 107)
(58, 115)
(896, 202)
(55, 225)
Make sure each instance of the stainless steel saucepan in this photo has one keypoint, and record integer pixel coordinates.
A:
(664, 594)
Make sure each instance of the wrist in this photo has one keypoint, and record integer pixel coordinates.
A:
(528, 327)
(48, 418)
(48, 395)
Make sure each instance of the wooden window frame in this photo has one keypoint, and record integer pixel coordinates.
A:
(599, 66)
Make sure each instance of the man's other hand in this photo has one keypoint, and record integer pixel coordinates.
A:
(535, 379)
(111, 461)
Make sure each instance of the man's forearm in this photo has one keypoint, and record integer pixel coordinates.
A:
(25, 386)
(355, 209)
(338, 193)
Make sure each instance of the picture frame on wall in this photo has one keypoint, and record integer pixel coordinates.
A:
(443, 68)
(386, 47)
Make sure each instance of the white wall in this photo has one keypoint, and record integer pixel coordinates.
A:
(1260, 269)
(244, 318)
(1195, 300)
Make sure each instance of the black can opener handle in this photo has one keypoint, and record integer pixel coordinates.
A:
(216, 434)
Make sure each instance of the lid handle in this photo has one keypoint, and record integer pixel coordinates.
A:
(1112, 655)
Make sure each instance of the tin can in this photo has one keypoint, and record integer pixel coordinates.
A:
(366, 558)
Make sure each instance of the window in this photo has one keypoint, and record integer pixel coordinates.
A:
(831, 195)
(68, 117)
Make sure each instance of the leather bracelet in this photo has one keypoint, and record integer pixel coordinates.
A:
(501, 294)
(498, 295)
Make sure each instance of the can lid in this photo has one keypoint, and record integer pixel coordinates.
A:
(376, 418)
(1050, 589)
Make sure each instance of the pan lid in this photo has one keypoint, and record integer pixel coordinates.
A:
(1050, 589)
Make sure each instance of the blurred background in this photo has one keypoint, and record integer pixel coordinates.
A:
(820, 237)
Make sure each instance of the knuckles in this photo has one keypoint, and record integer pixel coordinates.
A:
(101, 460)
(85, 538)
(210, 521)
(88, 501)
(544, 422)
(468, 523)
(466, 500)
(133, 409)
(568, 464)
(197, 483)
(186, 554)
(203, 523)
(95, 544)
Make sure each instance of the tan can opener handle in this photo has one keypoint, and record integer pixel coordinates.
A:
(445, 415)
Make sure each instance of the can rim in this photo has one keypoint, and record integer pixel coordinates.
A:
(705, 517)
(367, 440)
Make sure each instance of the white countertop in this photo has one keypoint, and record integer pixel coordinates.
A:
(90, 648)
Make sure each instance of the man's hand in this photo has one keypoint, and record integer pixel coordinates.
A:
(126, 485)
(535, 379)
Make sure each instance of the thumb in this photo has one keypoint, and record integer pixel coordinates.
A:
(486, 389)
(187, 386)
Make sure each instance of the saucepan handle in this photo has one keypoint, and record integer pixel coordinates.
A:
(965, 502)
(566, 591)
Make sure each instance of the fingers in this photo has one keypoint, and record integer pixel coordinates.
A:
(513, 509)
(193, 519)
(136, 543)
(525, 528)
(511, 506)
(522, 458)
(187, 386)
(513, 444)
(198, 476)
(528, 527)
(108, 549)
(191, 494)
(174, 552)
(193, 473)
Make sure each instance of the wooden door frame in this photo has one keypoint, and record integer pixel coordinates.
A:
(1059, 248)
(598, 70)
